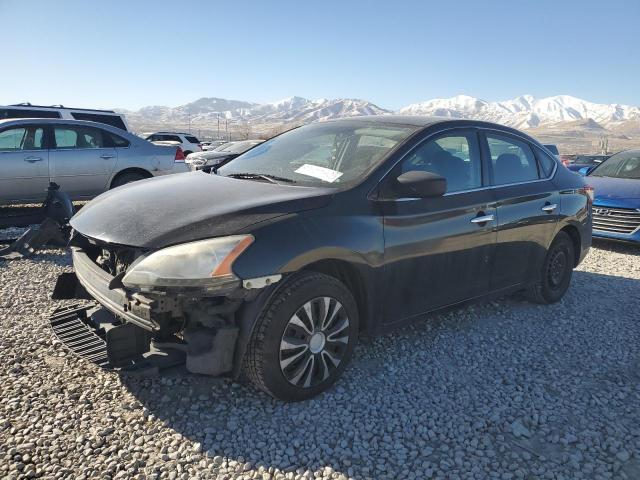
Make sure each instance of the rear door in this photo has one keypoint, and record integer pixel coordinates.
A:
(24, 164)
(80, 161)
(439, 251)
(528, 206)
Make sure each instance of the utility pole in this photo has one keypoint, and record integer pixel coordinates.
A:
(218, 126)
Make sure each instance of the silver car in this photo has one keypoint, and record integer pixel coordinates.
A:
(84, 158)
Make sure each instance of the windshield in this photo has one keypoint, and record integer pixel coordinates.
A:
(621, 165)
(321, 154)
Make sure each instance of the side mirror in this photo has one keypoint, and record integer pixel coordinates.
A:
(584, 171)
(420, 184)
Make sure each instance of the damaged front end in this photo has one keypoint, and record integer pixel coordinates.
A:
(148, 316)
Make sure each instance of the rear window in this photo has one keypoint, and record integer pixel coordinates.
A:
(25, 113)
(191, 139)
(113, 120)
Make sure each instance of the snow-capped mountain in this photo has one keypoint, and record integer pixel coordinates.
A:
(560, 113)
(288, 110)
(526, 111)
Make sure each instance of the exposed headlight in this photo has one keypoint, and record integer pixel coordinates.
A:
(205, 263)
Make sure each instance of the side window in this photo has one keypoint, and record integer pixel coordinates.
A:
(512, 160)
(546, 162)
(113, 120)
(113, 140)
(21, 138)
(191, 139)
(23, 113)
(172, 138)
(68, 136)
(454, 156)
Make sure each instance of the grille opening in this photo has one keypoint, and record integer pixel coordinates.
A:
(616, 220)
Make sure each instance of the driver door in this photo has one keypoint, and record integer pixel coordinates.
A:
(24, 164)
(439, 251)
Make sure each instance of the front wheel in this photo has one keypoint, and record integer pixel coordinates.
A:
(304, 337)
(555, 275)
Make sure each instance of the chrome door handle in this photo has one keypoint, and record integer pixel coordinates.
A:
(107, 156)
(550, 207)
(483, 219)
(32, 159)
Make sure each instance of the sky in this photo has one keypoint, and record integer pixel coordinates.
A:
(130, 54)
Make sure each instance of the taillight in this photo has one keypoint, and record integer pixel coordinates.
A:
(179, 158)
(200, 146)
(565, 162)
(588, 191)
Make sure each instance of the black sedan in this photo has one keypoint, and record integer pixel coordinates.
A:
(322, 233)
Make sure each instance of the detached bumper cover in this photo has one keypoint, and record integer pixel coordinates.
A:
(134, 308)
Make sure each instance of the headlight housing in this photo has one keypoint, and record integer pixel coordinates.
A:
(201, 264)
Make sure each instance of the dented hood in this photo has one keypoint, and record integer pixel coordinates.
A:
(180, 208)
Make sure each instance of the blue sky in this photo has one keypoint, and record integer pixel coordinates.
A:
(136, 53)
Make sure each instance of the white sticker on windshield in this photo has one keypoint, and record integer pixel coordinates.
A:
(325, 174)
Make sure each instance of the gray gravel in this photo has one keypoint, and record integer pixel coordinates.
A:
(503, 390)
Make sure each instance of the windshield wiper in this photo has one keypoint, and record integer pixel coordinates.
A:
(264, 176)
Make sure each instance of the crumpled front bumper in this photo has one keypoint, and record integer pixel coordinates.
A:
(103, 287)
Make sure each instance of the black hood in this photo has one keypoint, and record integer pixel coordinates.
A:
(179, 208)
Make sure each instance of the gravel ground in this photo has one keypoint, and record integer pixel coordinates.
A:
(504, 390)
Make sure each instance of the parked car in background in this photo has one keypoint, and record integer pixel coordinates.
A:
(271, 269)
(26, 110)
(84, 158)
(214, 144)
(581, 161)
(213, 159)
(616, 207)
(188, 143)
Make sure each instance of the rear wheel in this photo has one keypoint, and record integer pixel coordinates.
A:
(555, 276)
(127, 177)
(303, 339)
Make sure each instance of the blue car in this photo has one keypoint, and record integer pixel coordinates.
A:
(616, 207)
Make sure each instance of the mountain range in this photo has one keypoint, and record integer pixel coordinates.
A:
(562, 113)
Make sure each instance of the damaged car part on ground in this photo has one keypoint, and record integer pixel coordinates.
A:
(53, 215)
(272, 268)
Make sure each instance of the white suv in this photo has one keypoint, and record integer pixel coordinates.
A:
(26, 110)
(187, 142)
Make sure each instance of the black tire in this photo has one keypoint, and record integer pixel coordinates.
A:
(127, 177)
(555, 275)
(264, 357)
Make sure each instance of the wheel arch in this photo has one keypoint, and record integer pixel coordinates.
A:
(141, 171)
(344, 271)
(352, 278)
(574, 234)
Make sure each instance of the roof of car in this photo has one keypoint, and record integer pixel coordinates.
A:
(171, 133)
(28, 105)
(88, 123)
(52, 120)
(415, 120)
